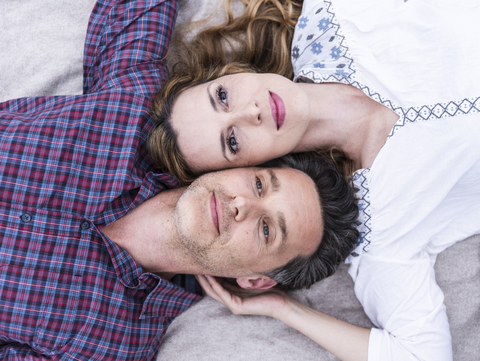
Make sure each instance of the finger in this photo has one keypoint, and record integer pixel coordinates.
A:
(207, 288)
(201, 279)
(228, 299)
(215, 285)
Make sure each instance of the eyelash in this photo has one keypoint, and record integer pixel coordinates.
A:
(257, 183)
(220, 89)
(232, 145)
(265, 225)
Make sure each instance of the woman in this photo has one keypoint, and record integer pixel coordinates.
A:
(413, 206)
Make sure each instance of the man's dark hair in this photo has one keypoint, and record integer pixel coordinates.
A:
(339, 213)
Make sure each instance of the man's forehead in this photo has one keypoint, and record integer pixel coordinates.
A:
(293, 175)
(304, 217)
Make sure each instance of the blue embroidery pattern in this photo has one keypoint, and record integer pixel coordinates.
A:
(316, 48)
(323, 24)
(435, 111)
(295, 52)
(335, 54)
(364, 223)
(318, 30)
(302, 22)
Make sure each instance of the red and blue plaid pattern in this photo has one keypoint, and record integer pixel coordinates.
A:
(70, 165)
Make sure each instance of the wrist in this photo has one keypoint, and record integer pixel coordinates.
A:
(293, 312)
(288, 308)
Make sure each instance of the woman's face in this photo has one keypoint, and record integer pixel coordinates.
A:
(239, 120)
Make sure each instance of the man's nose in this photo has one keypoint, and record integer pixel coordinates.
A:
(244, 207)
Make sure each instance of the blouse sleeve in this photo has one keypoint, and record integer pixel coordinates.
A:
(404, 301)
(125, 44)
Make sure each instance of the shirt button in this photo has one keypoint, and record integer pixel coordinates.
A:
(85, 225)
(26, 217)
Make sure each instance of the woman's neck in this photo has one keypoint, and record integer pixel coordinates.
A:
(343, 116)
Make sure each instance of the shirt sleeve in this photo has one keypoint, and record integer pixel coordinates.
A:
(125, 44)
(17, 351)
(404, 301)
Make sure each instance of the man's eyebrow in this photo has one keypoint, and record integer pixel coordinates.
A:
(283, 226)
(275, 183)
(222, 142)
(212, 101)
(274, 180)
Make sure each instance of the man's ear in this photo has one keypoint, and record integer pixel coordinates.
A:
(256, 282)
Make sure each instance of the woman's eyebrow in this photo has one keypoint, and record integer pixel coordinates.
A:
(212, 101)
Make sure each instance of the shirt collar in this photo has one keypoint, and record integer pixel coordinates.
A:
(167, 300)
(164, 299)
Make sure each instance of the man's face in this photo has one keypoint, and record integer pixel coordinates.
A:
(247, 221)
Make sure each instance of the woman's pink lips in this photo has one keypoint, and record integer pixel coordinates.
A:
(278, 109)
(213, 210)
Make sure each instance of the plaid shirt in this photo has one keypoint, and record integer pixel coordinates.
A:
(70, 165)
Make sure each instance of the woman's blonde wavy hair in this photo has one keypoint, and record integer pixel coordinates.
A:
(259, 40)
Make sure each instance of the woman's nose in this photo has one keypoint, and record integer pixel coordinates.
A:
(249, 113)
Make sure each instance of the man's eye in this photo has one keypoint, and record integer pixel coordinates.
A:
(266, 231)
(259, 186)
(222, 94)
(232, 143)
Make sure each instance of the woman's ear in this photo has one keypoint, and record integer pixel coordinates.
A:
(258, 282)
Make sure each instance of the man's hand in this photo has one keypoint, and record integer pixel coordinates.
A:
(241, 301)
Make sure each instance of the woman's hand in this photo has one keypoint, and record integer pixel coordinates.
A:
(347, 342)
(241, 301)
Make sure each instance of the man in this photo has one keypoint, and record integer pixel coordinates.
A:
(74, 288)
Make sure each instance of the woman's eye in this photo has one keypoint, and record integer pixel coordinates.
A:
(232, 143)
(266, 231)
(259, 186)
(222, 95)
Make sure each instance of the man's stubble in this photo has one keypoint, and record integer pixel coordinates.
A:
(195, 241)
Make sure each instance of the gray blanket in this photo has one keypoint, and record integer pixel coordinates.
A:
(41, 54)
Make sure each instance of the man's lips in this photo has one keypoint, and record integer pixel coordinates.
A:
(214, 212)
(278, 109)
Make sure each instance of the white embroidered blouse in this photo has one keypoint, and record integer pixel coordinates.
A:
(422, 193)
